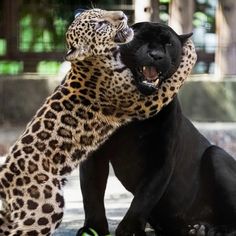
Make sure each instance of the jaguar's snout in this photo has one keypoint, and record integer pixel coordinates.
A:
(116, 16)
(124, 33)
(120, 16)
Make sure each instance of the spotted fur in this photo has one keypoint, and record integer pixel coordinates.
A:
(96, 98)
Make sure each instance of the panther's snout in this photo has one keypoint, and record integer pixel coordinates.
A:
(156, 55)
(153, 66)
(150, 78)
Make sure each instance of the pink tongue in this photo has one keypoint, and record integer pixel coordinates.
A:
(150, 72)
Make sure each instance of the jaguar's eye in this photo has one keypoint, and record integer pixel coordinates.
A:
(101, 24)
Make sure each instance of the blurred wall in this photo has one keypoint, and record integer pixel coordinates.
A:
(20, 97)
(202, 99)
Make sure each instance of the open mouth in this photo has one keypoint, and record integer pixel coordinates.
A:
(151, 76)
(124, 35)
(148, 79)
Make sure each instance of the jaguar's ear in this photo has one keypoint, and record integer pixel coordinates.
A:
(79, 11)
(183, 37)
(76, 54)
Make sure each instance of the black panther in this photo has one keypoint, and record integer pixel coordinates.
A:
(182, 184)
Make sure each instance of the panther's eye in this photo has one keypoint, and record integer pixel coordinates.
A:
(101, 24)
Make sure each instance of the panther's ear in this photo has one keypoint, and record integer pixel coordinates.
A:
(183, 37)
(76, 54)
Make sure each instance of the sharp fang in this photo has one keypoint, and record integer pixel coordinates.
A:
(144, 68)
(156, 82)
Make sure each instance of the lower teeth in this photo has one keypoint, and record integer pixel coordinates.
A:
(151, 83)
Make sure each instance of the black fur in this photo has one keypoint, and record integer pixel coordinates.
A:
(164, 56)
(177, 177)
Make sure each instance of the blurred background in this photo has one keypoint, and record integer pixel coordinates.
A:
(32, 49)
(32, 31)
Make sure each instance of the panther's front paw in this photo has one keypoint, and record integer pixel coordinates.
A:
(197, 230)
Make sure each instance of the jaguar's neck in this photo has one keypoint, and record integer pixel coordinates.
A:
(110, 61)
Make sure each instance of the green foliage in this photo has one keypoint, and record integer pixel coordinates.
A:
(42, 26)
(11, 67)
(37, 36)
(204, 15)
(48, 67)
(3, 47)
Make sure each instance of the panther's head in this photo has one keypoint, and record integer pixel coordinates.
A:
(153, 55)
(95, 32)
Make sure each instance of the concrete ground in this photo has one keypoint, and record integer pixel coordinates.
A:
(117, 199)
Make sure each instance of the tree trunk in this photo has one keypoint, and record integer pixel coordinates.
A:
(226, 33)
(147, 10)
(181, 15)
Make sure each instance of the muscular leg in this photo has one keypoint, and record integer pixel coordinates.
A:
(220, 168)
(93, 177)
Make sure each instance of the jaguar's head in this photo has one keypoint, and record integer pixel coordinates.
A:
(96, 32)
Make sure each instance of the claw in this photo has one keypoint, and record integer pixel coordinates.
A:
(196, 227)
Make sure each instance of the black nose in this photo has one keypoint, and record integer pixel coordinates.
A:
(156, 55)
